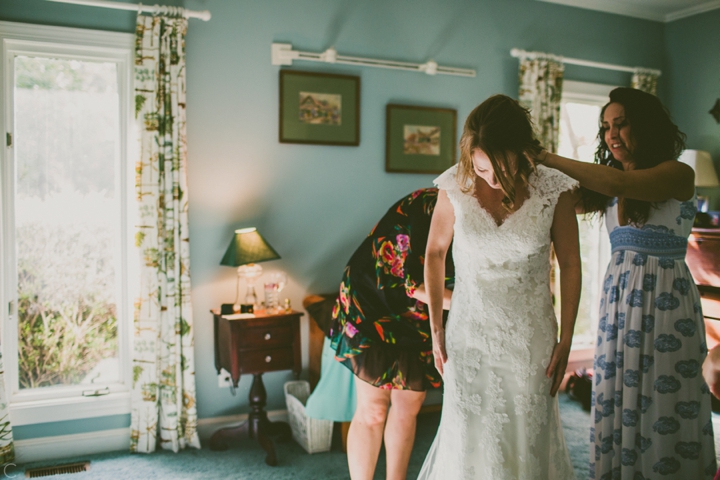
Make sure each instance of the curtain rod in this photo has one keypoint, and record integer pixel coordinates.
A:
(283, 54)
(517, 53)
(140, 8)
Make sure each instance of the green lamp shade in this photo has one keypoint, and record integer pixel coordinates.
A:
(248, 246)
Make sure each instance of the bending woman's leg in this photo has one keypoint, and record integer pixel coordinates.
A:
(400, 431)
(366, 430)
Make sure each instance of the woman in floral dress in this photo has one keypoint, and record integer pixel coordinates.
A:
(380, 332)
(651, 407)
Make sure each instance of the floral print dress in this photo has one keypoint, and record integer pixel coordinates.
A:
(651, 407)
(378, 330)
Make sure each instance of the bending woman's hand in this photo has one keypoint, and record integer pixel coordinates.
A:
(558, 365)
(438, 341)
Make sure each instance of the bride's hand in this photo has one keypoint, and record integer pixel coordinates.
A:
(438, 341)
(558, 365)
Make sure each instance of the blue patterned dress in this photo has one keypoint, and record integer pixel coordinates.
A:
(651, 407)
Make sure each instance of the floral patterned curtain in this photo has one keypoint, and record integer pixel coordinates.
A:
(645, 80)
(541, 91)
(7, 446)
(163, 394)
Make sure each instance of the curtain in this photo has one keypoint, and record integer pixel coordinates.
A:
(7, 446)
(540, 92)
(645, 81)
(163, 393)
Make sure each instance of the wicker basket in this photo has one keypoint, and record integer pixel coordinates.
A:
(312, 434)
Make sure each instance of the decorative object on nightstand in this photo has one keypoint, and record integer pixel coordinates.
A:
(705, 175)
(256, 345)
(273, 286)
(247, 248)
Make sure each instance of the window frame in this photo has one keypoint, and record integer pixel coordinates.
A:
(65, 403)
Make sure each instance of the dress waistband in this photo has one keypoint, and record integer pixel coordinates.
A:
(649, 242)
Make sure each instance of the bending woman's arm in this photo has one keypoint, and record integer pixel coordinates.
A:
(567, 249)
(421, 294)
(670, 179)
(439, 240)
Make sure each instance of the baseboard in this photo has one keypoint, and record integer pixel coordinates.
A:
(65, 446)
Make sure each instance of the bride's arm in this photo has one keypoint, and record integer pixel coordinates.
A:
(567, 249)
(439, 240)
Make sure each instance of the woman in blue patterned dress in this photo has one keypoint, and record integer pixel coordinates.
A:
(651, 407)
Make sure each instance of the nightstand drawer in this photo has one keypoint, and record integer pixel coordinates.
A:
(266, 337)
(266, 360)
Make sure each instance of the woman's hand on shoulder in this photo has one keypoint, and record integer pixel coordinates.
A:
(537, 155)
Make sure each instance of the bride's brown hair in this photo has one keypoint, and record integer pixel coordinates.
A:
(498, 126)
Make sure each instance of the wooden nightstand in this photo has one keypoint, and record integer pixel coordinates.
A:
(263, 343)
(703, 260)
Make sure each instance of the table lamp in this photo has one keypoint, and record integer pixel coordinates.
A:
(247, 248)
(705, 175)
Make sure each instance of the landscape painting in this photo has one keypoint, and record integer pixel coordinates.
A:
(421, 140)
(320, 108)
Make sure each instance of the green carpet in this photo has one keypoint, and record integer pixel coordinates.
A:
(245, 459)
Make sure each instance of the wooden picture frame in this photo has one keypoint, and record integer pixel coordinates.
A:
(319, 108)
(419, 139)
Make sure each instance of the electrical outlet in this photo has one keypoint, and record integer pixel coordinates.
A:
(224, 379)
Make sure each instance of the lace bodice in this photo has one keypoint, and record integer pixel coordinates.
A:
(520, 246)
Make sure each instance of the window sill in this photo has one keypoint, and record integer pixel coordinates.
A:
(69, 408)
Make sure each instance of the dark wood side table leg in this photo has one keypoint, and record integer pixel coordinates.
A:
(257, 426)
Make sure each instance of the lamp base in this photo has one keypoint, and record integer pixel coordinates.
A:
(249, 272)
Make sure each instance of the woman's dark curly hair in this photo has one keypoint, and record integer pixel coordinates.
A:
(657, 140)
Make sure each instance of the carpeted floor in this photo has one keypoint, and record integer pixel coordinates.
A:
(245, 460)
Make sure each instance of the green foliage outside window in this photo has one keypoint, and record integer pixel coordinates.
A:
(67, 318)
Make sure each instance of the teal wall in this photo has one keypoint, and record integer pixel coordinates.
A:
(692, 62)
(314, 204)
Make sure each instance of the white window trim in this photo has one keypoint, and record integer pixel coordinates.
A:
(65, 403)
(586, 92)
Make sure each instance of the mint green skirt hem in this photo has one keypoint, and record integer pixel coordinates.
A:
(334, 396)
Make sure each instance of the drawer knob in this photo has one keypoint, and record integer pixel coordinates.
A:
(268, 336)
(268, 359)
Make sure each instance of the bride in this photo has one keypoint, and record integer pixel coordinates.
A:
(500, 357)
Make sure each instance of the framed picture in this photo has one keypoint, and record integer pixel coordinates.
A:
(319, 108)
(419, 139)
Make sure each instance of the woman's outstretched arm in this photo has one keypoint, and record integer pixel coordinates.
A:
(439, 240)
(670, 179)
(564, 235)
(421, 294)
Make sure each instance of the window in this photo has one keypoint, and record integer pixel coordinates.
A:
(66, 114)
(580, 111)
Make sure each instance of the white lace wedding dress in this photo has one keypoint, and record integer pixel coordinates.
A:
(498, 418)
